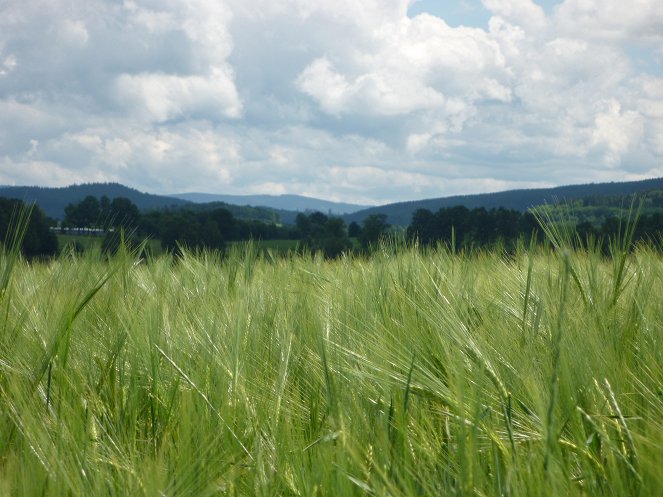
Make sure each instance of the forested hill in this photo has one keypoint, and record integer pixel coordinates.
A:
(401, 213)
(286, 203)
(248, 212)
(53, 200)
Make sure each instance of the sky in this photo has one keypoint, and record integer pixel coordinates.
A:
(369, 101)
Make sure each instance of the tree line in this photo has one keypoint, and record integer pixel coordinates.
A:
(215, 227)
(647, 228)
(461, 227)
(465, 228)
(38, 239)
(176, 228)
(101, 213)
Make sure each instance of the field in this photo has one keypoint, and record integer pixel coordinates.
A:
(410, 372)
(88, 242)
(270, 247)
(94, 243)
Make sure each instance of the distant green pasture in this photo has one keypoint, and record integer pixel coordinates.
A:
(276, 247)
(89, 242)
(94, 242)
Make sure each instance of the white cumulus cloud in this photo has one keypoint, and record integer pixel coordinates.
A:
(160, 97)
(524, 13)
(612, 20)
(616, 131)
(338, 98)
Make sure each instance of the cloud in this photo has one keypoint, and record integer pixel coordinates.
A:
(23, 173)
(616, 131)
(160, 97)
(8, 65)
(413, 65)
(523, 13)
(378, 93)
(612, 21)
(338, 98)
(650, 106)
(73, 33)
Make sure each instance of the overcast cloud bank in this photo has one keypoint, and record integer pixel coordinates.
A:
(345, 100)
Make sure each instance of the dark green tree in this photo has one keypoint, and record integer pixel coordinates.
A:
(84, 214)
(104, 212)
(124, 213)
(181, 229)
(210, 236)
(225, 223)
(39, 239)
(354, 230)
(322, 233)
(335, 240)
(373, 229)
(422, 227)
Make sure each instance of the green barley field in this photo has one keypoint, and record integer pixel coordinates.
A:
(153, 246)
(407, 373)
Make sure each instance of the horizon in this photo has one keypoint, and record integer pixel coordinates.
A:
(367, 206)
(372, 103)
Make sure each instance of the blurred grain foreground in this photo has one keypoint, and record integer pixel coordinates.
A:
(408, 373)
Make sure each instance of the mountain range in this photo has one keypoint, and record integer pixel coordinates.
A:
(261, 207)
(283, 202)
(53, 200)
(400, 213)
(285, 207)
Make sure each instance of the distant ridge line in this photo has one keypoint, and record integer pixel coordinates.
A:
(400, 213)
(53, 200)
(282, 202)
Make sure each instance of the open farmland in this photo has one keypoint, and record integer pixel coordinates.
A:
(408, 373)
